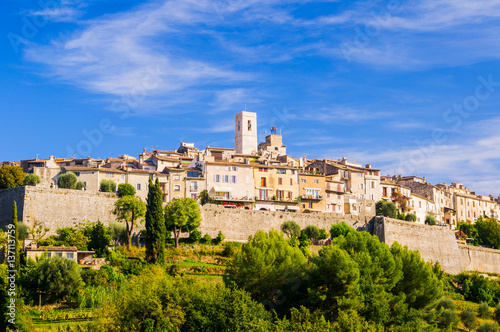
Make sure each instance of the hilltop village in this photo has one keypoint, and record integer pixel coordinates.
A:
(264, 177)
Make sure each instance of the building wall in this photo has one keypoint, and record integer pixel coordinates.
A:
(308, 181)
(7, 198)
(244, 186)
(479, 259)
(245, 139)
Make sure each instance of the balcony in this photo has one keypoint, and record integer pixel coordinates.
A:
(233, 199)
(311, 197)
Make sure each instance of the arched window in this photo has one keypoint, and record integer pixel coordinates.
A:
(249, 125)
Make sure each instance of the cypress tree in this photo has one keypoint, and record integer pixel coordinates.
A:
(155, 224)
(16, 239)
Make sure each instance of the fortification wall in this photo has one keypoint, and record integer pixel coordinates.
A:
(56, 208)
(479, 259)
(7, 197)
(434, 243)
(238, 225)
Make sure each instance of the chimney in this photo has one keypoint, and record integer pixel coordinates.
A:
(175, 149)
(368, 166)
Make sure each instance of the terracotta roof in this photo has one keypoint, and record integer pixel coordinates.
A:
(167, 158)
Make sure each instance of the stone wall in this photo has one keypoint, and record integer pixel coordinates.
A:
(433, 242)
(479, 259)
(7, 197)
(56, 208)
(238, 224)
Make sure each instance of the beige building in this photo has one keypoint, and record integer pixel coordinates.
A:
(334, 194)
(276, 187)
(421, 207)
(312, 190)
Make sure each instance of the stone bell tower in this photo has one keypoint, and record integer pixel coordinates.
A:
(245, 132)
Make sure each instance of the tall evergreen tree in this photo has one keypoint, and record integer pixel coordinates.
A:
(155, 224)
(16, 234)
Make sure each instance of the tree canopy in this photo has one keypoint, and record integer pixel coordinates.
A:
(131, 210)
(31, 180)
(126, 189)
(155, 224)
(182, 215)
(11, 177)
(67, 181)
(291, 228)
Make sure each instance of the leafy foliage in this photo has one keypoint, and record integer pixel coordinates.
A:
(11, 177)
(107, 186)
(341, 229)
(312, 232)
(79, 185)
(73, 237)
(182, 215)
(155, 224)
(99, 239)
(386, 209)
(31, 180)
(131, 210)
(468, 318)
(291, 229)
(67, 181)
(219, 239)
(411, 217)
(430, 220)
(126, 189)
(488, 230)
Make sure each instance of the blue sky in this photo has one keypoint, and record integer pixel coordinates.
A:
(412, 87)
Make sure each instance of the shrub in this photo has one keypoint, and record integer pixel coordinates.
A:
(290, 228)
(411, 217)
(323, 235)
(446, 303)
(31, 180)
(79, 185)
(312, 232)
(67, 181)
(207, 239)
(230, 249)
(488, 327)
(401, 216)
(11, 177)
(497, 313)
(219, 239)
(468, 317)
(430, 220)
(484, 310)
(195, 236)
(126, 189)
(341, 229)
(448, 317)
(386, 209)
(108, 186)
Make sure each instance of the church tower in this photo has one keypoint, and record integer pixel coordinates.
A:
(245, 132)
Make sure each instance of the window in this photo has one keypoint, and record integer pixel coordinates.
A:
(194, 185)
(177, 188)
(263, 182)
(216, 178)
(360, 175)
(177, 177)
(247, 179)
(123, 177)
(226, 179)
(310, 205)
(262, 194)
(49, 254)
(138, 186)
(303, 180)
(291, 181)
(85, 183)
(234, 179)
(249, 125)
(192, 174)
(316, 181)
(239, 125)
(281, 171)
(262, 169)
(419, 204)
(234, 168)
(248, 169)
(77, 173)
(109, 175)
(69, 255)
(280, 181)
(58, 254)
(194, 196)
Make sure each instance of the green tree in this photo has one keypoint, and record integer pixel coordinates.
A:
(67, 180)
(11, 177)
(108, 186)
(448, 318)
(219, 239)
(126, 189)
(401, 216)
(488, 327)
(73, 237)
(497, 313)
(488, 230)
(290, 228)
(31, 180)
(470, 230)
(38, 231)
(118, 233)
(17, 248)
(155, 224)
(207, 239)
(131, 210)
(430, 220)
(341, 229)
(386, 209)
(23, 231)
(323, 235)
(182, 215)
(312, 232)
(99, 239)
(55, 278)
(411, 217)
(468, 317)
(269, 268)
(483, 310)
(195, 236)
(79, 185)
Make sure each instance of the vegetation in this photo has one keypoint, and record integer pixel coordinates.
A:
(67, 181)
(291, 229)
(155, 224)
(17, 242)
(182, 215)
(99, 239)
(126, 189)
(312, 232)
(411, 217)
(31, 180)
(108, 186)
(131, 210)
(11, 177)
(386, 209)
(486, 232)
(430, 220)
(79, 185)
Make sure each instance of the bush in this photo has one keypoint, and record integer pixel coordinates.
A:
(488, 327)
(67, 181)
(108, 186)
(11, 177)
(22, 231)
(401, 216)
(230, 249)
(312, 232)
(448, 318)
(219, 239)
(446, 303)
(126, 189)
(468, 317)
(386, 209)
(323, 235)
(497, 313)
(195, 236)
(79, 185)
(430, 220)
(411, 217)
(207, 239)
(31, 180)
(290, 228)
(341, 229)
(484, 310)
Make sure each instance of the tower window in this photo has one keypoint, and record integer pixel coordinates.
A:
(249, 125)
(239, 125)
